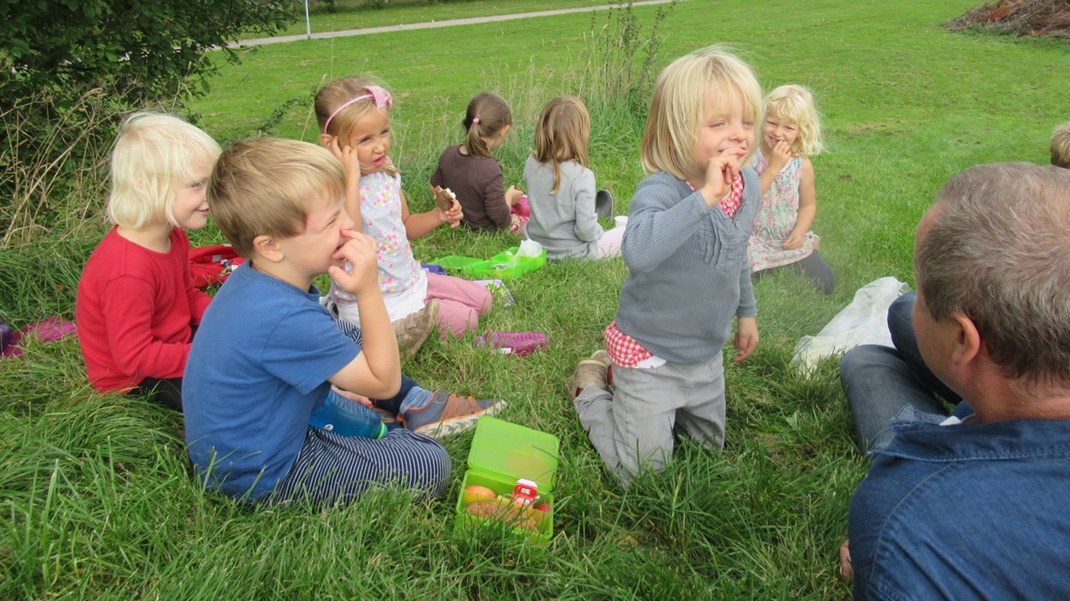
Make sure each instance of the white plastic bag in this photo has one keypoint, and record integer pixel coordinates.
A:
(864, 321)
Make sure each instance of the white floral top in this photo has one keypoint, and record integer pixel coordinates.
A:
(402, 280)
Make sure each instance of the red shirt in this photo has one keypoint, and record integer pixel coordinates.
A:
(134, 310)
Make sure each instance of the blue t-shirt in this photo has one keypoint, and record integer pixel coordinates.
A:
(258, 367)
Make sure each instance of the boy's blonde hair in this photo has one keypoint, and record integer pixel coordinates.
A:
(333, 95)
(562, 134)
(153, 155)
(1060, 146)
(268, 186)
(678, 107)
(485, 116)
(796, 103)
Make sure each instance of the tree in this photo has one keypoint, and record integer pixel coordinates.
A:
(68, 67)
(137, 49)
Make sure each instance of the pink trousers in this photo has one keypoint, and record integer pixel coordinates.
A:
(460, 303)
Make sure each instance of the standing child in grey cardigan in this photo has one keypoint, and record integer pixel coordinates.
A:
(561, 188)
(689, 275)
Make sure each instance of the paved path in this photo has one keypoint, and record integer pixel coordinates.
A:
(434, 24)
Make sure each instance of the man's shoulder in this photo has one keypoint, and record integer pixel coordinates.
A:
(951, 508)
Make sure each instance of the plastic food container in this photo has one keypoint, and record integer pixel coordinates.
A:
(504, 265)
(503, 453)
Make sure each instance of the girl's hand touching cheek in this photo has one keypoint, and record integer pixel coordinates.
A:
(348, 158)
(358, 251)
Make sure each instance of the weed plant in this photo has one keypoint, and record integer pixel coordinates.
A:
(96, 493)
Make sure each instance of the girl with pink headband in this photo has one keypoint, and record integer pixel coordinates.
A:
(354, 119)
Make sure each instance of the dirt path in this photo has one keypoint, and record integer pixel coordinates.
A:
(433, 24)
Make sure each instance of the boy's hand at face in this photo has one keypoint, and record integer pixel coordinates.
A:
(780, 156)
(721, 171)
(358, 251)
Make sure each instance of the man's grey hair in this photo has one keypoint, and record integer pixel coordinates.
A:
(998, 252)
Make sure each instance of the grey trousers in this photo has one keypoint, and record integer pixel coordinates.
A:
(633, 428)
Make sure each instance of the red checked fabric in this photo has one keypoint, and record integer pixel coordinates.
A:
(624, 350)
(731, 204)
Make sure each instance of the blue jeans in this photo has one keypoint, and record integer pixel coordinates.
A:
(880, 381)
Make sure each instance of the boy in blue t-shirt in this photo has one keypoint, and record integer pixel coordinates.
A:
(267, 353)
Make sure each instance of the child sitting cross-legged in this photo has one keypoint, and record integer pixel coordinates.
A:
(267, 353)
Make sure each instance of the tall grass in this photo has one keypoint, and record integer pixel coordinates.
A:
(95, 492)
(54, 175)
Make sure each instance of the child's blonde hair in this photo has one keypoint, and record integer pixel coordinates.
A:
(486, 115)
(268, 186)
(153, 155)
(681, 97)
(562, 134)
(1060, 146)
(796, 103)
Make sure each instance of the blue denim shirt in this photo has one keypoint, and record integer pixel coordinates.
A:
(967, 511)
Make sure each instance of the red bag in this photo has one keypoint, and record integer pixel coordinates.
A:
(210, 265)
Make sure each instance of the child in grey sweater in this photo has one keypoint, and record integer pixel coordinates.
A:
(689, 275)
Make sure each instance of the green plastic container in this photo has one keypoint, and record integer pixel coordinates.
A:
(503, 265)
(501, 454)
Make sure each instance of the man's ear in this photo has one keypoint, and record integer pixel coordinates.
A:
(968, 344)
(268, 248)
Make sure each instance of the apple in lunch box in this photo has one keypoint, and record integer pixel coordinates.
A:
(543, 507)
(474, 493)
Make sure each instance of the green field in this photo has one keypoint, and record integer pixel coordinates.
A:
(95, 490)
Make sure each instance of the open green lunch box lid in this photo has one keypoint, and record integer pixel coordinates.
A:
(511, 451)
(504, 265)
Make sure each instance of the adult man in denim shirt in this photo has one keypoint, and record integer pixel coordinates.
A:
(974, 506)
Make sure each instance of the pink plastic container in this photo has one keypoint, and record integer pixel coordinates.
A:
(520, 344)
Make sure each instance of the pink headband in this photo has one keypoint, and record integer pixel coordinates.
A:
(381, 97)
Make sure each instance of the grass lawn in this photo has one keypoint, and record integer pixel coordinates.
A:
(95, 490)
